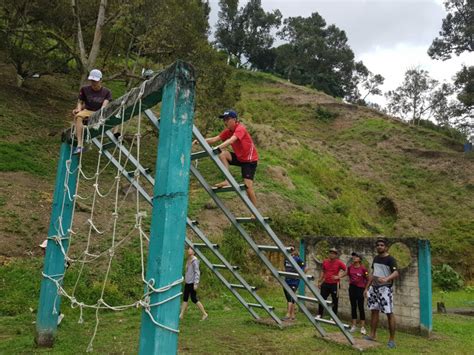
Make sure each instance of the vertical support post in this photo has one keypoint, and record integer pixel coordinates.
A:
(425, 286)
(170, 204)
(303, 257)
(54, 264)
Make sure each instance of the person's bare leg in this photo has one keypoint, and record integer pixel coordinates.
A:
(184, 306)
(374, 322)
(203, 311)
(292, 311)
(250, 191)
(391, 326)
(79, 130)
(225, 158)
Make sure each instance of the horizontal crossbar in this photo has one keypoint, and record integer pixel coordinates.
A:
(294, 275)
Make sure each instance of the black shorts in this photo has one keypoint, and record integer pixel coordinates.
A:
(189, 291)
(248, 168)
(287, 295)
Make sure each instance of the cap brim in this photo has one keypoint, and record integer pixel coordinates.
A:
(94, 78)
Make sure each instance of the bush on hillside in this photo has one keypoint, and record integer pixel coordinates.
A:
(446, 278)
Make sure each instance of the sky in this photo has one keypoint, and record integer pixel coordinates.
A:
(389, 36)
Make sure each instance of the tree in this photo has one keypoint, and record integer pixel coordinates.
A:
(457, 31)
(318, 56)
(364, 79)
(411, 100)
(246, 31)
(26, 37)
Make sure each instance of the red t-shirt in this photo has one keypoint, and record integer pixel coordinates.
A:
(331, 268)
(243, 147)
(357, 275)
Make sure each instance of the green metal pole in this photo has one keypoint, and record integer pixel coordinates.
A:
(303, 257)
(170, 204)
(425, 285)
(50, 301)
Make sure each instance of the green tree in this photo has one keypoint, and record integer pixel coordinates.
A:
(365, 83)
(457, 31)
(319, 55)
(246, 31)
(411, 100)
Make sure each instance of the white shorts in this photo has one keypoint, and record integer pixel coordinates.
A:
(380, 299)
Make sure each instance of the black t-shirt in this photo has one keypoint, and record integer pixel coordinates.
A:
(383, 266)
(94, 99)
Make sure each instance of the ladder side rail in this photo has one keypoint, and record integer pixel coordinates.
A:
(268, 230)
(255, 248)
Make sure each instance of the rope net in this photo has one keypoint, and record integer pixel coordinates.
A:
(106, 223)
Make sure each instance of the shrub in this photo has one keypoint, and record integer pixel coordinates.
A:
(446, 278)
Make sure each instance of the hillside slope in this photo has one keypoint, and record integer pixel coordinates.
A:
(326, 168)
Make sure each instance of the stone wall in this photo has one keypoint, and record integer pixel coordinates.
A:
(406, 289)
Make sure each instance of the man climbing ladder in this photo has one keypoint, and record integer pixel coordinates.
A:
(244, 155)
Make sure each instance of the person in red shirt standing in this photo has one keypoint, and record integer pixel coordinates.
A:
(358, 277)
(333, 270)
(244, 152)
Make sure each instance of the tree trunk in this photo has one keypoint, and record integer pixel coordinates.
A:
(88, 60)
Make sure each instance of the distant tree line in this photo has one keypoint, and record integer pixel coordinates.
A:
(124, 36)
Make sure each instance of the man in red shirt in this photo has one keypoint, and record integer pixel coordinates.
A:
(244, 152)
(333, 270)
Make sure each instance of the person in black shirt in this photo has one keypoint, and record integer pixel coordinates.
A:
(91, 98)
(379, 290)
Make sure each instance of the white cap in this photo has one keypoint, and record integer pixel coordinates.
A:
(44, 244)
(95, 75)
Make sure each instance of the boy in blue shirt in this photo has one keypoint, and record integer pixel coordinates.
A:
(292, 282)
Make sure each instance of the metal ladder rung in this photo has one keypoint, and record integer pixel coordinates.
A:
(221, 266)
(108, 145)
(253, 288)
(271, 248)
(328, 321)
(294, 275)
(256, 305)
(251, 219)
(203, 153)
(227, 188)
(204, 245)
(132, 173)
(311, 299)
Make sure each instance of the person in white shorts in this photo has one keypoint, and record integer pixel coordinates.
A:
(379, 290)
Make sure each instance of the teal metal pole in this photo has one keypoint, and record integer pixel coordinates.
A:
(425, 285)
(54, 264)
(170, 204)
(303, 257)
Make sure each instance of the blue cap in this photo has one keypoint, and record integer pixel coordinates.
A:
(228, 113)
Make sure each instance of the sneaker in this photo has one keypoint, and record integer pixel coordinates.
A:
(318, 316)
(369, 338)
(117, 135)
(79, 150)
(60, 318)
(205, 317)
(286, 318)
(353, 329)
(391, 344)
(363, 331)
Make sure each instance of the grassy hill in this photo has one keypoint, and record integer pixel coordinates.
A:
(327, 168)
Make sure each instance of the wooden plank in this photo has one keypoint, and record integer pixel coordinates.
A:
(46, 320)
(170, 204)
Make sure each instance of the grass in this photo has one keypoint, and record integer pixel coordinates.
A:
(230, 329)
